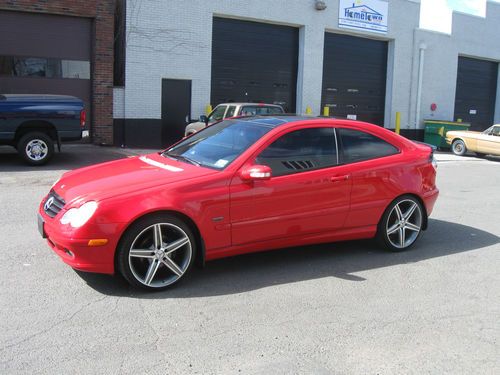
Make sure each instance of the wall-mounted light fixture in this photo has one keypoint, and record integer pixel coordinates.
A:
(320, 5)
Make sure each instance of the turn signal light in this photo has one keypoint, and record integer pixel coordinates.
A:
(98, 242)
(83, 118)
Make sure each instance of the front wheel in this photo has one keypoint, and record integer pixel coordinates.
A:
(156, 252)
(458, 147)
(36, 148)
(401, 224)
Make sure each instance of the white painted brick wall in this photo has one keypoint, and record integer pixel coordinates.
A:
(118, 102)
(172, 39)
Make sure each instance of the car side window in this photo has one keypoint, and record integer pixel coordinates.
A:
(300, 151)
(358, 146)
(230, 111)
(217, 114)
(496, 131)
(254, 110)
(248, 111)
(274, 110)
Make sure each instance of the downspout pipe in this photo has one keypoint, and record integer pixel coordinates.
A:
(422, 49)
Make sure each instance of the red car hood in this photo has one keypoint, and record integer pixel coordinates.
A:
(118, 177)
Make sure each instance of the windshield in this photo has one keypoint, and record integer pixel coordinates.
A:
(217, 114)
(219, 144)
(488, 131)
(492, 130)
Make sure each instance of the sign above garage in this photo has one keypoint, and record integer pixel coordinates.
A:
(366, 15)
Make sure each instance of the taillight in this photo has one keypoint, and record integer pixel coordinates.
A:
(83, 118)
(433, 160)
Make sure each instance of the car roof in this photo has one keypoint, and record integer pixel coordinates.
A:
(252, 104)
(277, 121)
(270, 121)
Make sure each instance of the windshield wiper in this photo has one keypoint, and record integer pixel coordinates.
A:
(183, 158)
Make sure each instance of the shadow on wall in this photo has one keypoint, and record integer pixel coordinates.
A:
(341, 260)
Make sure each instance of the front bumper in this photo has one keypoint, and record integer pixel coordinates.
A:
(73, 248)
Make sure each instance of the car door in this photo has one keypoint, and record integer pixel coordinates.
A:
(307, 193)
(372, 162)
(489, 142)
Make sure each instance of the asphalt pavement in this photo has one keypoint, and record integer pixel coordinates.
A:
(344, 308)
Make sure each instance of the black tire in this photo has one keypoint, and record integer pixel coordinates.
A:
(458, 147)
(36, 148)
(390, 219)
(138, 236)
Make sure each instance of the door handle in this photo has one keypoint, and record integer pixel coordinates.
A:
(339, 178)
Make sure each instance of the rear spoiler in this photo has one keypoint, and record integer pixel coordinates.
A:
(434, 148)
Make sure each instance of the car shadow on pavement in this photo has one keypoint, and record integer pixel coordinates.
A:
(340, 260)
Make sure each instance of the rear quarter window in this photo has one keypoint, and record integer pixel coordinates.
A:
(358, 146)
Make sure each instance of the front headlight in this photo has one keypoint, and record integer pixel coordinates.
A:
(76, 217)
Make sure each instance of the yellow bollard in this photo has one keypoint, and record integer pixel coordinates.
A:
(208, 109)
(308, 110)
(326, 111)
(398, 122)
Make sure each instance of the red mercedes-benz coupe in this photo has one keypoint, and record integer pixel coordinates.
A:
(239, 186)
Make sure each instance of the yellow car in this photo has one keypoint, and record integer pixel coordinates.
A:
(482, 143)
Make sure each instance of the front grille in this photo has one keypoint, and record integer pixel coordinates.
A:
(53, 204)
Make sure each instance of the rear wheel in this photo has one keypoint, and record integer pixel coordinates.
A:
(458, 147)
(36, 148)
(401, 224)
(156, 252)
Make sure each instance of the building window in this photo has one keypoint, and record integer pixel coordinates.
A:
(43, 67)
(75, 69)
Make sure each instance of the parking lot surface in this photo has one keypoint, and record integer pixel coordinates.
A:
(345, 308)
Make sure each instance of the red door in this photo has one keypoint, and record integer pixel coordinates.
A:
(308, 193)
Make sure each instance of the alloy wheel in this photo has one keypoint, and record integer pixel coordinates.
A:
(160, 255)
(404, 224)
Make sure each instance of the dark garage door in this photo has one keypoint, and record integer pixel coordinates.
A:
(354, 77)
(45, 54)
(254, 62)
(476, 92)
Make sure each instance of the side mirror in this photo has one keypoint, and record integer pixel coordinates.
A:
(203, 119)
(256, 173)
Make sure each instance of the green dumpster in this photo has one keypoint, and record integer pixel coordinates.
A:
(435, 131)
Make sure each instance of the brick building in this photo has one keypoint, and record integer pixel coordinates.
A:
(61, 47)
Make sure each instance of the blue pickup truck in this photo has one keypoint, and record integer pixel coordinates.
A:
(33, 124)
